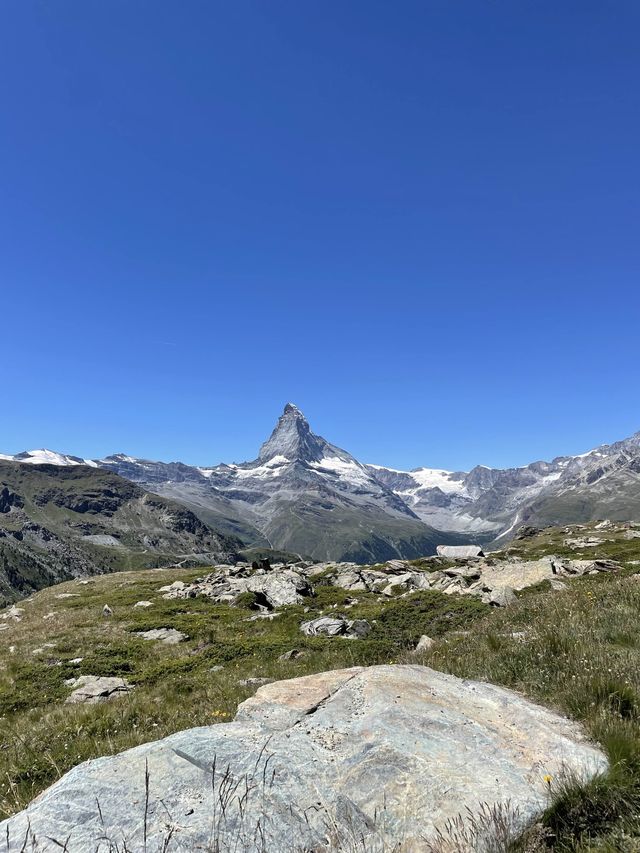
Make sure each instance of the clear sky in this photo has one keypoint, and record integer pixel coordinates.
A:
(419, 221)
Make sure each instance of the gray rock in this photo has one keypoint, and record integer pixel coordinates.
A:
(143, 604)
(459, 552)
(502, 596)
(255, 681)
(292, 654)
(14, 613)
(424, 644)
(92, 689)
(107, 611)
(306, 752)
(170, 636)
(358, 629)
(327, 626)
(281, 588)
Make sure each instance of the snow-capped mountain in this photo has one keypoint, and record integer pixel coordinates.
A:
(305, 495)
(302, 494)
(496, 502)
(48, 457)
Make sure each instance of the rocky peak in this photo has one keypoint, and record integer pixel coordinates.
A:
(293, 439)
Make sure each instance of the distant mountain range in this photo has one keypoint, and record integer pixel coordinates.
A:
(309, 497)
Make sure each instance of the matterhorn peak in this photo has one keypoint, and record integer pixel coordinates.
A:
(292, 409)
(292, 439)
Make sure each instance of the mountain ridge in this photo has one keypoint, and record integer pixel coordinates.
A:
(304, 494)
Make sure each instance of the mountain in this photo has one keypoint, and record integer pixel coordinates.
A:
(304, 495)
(602, 483)
(65, 520)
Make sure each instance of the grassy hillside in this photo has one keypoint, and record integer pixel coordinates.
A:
(62, 522)
(576, 649)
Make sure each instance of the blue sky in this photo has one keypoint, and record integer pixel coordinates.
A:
(418, 221)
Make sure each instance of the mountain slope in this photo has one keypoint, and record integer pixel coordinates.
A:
(63, 521)
(305, 495)
(603, 483)
(302, 494)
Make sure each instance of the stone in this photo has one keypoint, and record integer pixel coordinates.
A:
(142, 604)
(92, 689)
(169, 636)
(424, 644)
(502, 596)
(14, 613)
(327, 626)
(460, 552)
(292, 654)
(280, 588)
(357, 629)
(385, 755)
(107, 611)
(255, 681)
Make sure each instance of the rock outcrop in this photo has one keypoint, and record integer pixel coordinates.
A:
(384, 755)
(92, 689)
(491, 580)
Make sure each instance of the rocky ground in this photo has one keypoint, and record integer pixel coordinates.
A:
(304, 753)
(95, 666)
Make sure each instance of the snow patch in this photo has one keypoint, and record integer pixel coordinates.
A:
(345, 468)
(48, 457)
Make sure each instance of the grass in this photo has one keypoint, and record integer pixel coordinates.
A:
(176, 687)
(575, 650)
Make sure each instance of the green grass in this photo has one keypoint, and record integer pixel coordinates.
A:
(581, 656)
(577, 651)
(175, 687)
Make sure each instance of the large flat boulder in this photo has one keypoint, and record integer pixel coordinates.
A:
(385, 754)
(459, 552)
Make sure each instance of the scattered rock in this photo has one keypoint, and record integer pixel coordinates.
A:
(322, 739)
(330, 626)
(424, 644)
(254, 681)
(91, 689)
(14, 613)
(358, 629)
(68, 595)
(142, 604)
(176, 586)
(501, 596)
(326, 626)
(107, 611)
(460, 552)
(169, 636)
(292, 654)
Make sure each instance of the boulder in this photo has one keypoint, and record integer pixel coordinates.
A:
(91, 689)
(385, 755)
(338, 626)
(281, 588)
(501, 596)
(460, 552)
(326, 626)
(169, 636)
(424, 644)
